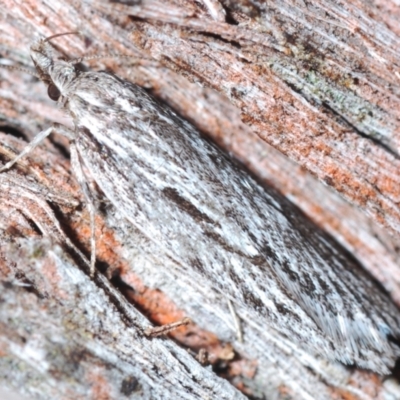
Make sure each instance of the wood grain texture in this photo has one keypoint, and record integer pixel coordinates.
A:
(317, 83)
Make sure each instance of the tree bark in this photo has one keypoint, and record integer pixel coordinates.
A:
(305, 95)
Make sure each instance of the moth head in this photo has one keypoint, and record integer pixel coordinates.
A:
(56, 74)
(61, 74)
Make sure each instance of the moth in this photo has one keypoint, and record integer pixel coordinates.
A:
(212, 218)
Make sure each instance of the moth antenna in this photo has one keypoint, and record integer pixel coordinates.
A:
(62, 34)
(15, 68)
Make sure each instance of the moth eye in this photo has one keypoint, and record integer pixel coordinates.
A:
(53, 92)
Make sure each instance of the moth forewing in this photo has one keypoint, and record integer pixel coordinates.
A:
(206, 213)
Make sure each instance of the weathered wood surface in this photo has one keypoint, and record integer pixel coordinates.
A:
(320, 86)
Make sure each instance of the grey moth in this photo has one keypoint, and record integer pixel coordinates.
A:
(210, 216)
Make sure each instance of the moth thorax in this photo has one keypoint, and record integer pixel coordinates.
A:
(62, 74)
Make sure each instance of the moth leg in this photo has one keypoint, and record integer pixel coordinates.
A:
(28, 148)
(36, 141)
(77, 169)
(164, 329)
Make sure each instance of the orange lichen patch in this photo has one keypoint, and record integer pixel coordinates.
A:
(389, 185)
(304, 149)
(322, 147)
(161, 311)
(342, 180)
(107, 246)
